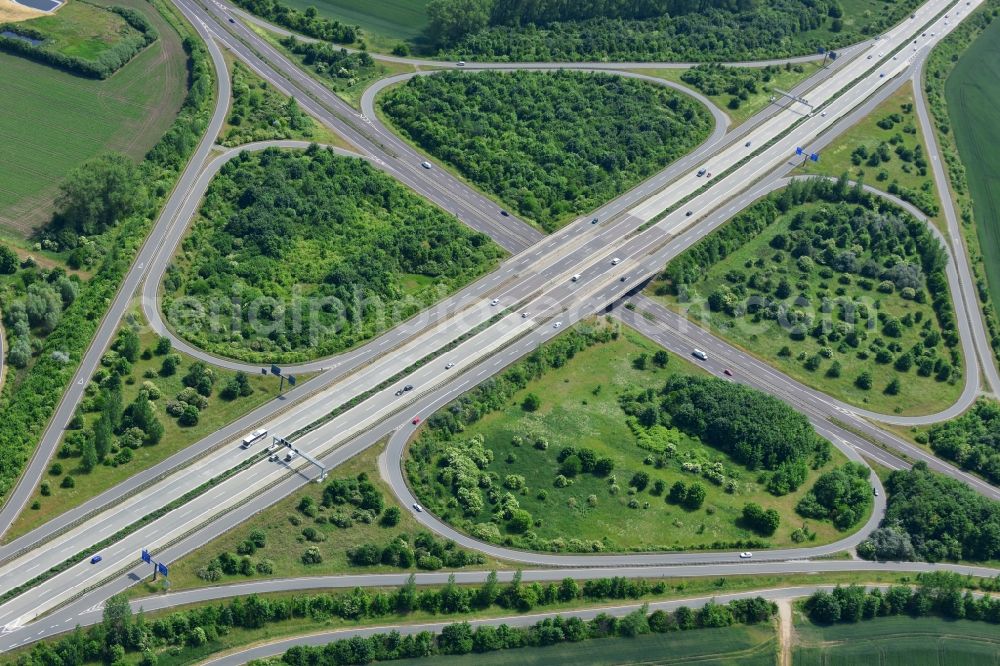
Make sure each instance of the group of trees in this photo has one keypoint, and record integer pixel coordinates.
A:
(938, 593)
(33, 314)
(871, 247)
(260, 113)
(28, 404)
(109, 60)
(739, 83)
(842, 495)
(754, 428)
(426, 552)
(934, 517)
(972, 440)
(718, 30)
(552, 144)
(300, 254)
(307, 22)
(340, 67)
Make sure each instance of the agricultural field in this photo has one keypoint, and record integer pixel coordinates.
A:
(753, 645)
(383, 23)
(74, 119)
(549, 145)
(57, 494)
(579, 403)
(283, 524)
(739, 91)
(828, 312)
(356, 235)
(885, 150)
(972, 91)
(897, 640)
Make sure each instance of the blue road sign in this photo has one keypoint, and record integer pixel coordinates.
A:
(275, 370)
(145, 556)
(162, 568)
(814, 157)
(291, 379)
(833, 55)
(798, 150)
(821, 50)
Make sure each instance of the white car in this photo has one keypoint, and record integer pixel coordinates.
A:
(449, 366)
(745, 555)
(494, 301)
(524, 315)
(557, 324)
(416, 507)
(461, 63)
(575, 278)
(426, 165)
(615, 261)
(823, 114)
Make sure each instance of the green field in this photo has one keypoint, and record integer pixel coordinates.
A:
(80, 29)
(909, 179)
(811, 359)
(175, 437)
(735, 646)
(579, 407)
(284, 539)
(973, 95)
(786, 79)
(383, 22)
(53, 121)
(902, 641)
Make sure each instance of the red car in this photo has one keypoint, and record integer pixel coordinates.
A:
(416, 420)
(727, 372)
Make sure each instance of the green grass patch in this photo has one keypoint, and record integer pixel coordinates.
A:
(579, 407)
(80, 29)
(383, 23)
(743, 645)
(175, 437)
(54, 121)
(551, 145)
(752, 88)
(284, 542)
(886, 150)
(797, 315)
(972, 92)
(897, 640)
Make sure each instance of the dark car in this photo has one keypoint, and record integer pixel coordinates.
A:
(505, 213)
(95, 559)
(594, 221)
(232, 20)
(727, 372)
(408, 387)
(689, 213)
(623, 278)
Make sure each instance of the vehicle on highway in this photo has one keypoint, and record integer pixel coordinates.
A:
(505, 213)
(399, 393)
(875, 490)
(615, 261)
(727, 372)
(232, 20)
(426, 165)
(449, 366)
(95, 559)
(697, 353)
(288, 457)
(253, 437)
(745, 555)
(524, 315)
(594, 221)
(461, 63)
(623, 278)
(557, 324)
(822, 114)
(408, 387)
(869, 56)
(747, 144)
(416, 420)
(689, 213)
(416, 507)
(494, 301)
(575, 278)
(881, 75)
(708, 175)
(701, 172)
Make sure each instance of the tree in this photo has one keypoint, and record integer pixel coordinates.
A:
(189, 416)
(96, 195)
(823, 607)
(660, 358)
(456, 638)
(117, 619)
(162, 346)
(170, 365)
(127, 344)
(450, 20)
(102, 436)
(238, 385)
(694, 497)
(531, 402)
(520, 521)
(88, 455)
(391, 517)
(8, 260)
(678, 492)
(893, 387)
(864, 380)
(639, 480)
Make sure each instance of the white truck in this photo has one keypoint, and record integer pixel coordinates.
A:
(253, 437)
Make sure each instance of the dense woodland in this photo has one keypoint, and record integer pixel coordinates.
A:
(551, 145)
(971, 440)
(652, 30)
(109, 61)
(28, 401)
(121, 633)
(934, 517)
(307, 22)
(301, 254)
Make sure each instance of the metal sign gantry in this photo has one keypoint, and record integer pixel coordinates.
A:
(280, 442)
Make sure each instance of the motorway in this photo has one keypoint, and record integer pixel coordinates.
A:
(540, 279)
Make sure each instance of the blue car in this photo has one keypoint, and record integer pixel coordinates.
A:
(95, 559)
